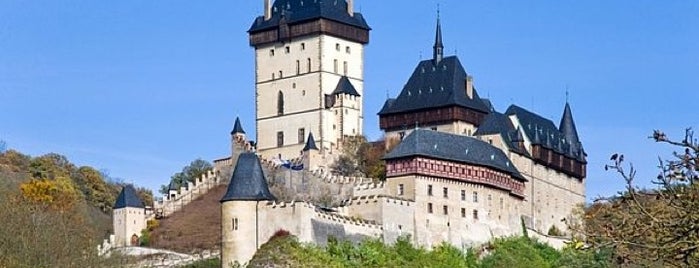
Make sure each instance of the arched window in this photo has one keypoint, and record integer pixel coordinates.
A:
(280, 103)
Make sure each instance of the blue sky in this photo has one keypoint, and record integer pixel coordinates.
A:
(141, 88)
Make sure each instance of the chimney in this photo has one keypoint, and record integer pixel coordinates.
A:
(268, 9)
(350, 7)
(469, 86)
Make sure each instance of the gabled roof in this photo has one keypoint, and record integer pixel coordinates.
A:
(497, 123)
(457, 148)
(310, 143)
(344, 86)
(434, 85)
(128, 198)
(295, 11)
(237, 127)
(248, 182)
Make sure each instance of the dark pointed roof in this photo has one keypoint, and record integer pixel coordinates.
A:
(457, 148)
(237, 127)
(296, 11)
(128, 198)
(532, 122)
(248, 182)
(497, 123)
(568, 129)
(433, 86)
(310, 143)
(344, 86)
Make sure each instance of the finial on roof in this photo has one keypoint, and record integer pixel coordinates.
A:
(438, 45)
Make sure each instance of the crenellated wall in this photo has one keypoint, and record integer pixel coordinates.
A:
(186, 194)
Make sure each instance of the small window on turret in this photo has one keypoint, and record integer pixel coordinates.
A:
(288, 49)
(271, 52)
(235, 224)
(337, 47)
(348, 50)
(303, 46)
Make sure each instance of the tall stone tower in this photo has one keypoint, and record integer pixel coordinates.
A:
(309, 74)
(129, 217)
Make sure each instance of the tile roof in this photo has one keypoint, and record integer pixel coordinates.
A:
(434, 85)
(237, 127)
(248, 182)
(344, 86)
(295, 11)
(458, 148)
(128, 198)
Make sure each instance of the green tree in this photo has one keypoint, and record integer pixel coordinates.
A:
(189, 173)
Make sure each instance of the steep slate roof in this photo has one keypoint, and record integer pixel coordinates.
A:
(248, 182)
(128, 198)
(497, 123)
(457, 148)
(237, 128)
(310, 143)
(435, 85)
(568, 129)
(544, 132)
(296, 11)
(344, 86)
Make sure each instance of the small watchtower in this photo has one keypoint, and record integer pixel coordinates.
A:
(129, 217)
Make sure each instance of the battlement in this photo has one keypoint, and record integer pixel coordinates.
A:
(106, 245)
(347, 220)
(173, 202)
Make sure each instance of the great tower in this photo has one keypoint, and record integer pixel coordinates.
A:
(309, 75)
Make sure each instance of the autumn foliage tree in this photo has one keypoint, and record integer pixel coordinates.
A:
(651, 227)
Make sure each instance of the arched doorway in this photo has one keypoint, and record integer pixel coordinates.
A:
(134, 240)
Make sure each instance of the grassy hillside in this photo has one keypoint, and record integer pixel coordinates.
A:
(194, 228)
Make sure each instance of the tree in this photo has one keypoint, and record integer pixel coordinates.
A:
(57, 195)
(189, 173)
(362, 158)
(651, 227)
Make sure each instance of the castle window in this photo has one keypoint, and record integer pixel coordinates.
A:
(433, 128)
(344, 68)
(337, 47)
(475, 197)
(302, 135)
(429, 208)
(271, 52)
(445, 192)
(308, 65)
(463, 195)
(463, 212)
(401, 189)
(280, 103)
(281, 74)
(490, 198)
(235, 224)
(347, 50)
(501, 203)
(288, 49)
(429, 190)
(445, 209)
(274, 76)
(335, 66)
(303, 46)
(298, 67)
(280, 139)
(475, 214)
(401, 134)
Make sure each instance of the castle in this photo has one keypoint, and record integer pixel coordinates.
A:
(462, 172)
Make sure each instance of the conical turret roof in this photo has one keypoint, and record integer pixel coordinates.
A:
(248, 182)
(128, 198)
(567, 128)
(237, 127)
(310, 143)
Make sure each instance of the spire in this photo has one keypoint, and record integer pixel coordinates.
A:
(438, 46)
(567, 128)
(237, 128)
(310, 143)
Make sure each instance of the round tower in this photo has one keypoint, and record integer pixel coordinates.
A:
(129, 218)
(240, 211)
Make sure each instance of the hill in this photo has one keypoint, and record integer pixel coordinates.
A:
(195, 227)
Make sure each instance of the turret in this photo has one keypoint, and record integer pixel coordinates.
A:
(570, 133)
(129, 218)
(311, 154)
(238, 141)
(240, 219)
(438, 53)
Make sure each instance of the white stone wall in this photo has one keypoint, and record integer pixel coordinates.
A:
(128, 222)
(287, 70)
